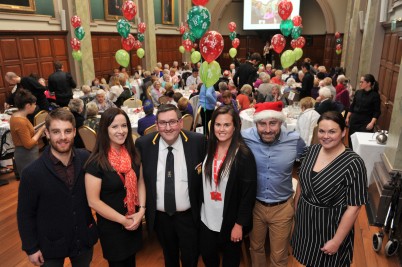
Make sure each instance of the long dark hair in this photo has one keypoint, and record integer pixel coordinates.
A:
(236, 143)
(102, 144)
(370, 79)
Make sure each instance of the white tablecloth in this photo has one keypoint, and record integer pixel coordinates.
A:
(246, 117)
(8, 146)
(367, 147)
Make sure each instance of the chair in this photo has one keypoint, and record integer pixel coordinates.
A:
(163, 99)
(314, 138)
(40, 117)
(197, 118)
(132, 103)
(150, 129)
(135, 136)
(194, 103)
(88, 137)
(187, 122)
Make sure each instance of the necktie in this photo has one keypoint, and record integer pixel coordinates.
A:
(170, 202)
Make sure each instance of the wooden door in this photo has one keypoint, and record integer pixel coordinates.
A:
(388, 75)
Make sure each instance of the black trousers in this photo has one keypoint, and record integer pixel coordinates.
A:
(205, 118)
(82, 260)
(178, 236)
(129, 262)
(211, 245)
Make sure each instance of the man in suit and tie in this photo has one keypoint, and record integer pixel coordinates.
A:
(171, 167)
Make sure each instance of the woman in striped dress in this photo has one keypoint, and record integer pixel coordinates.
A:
(331, 190)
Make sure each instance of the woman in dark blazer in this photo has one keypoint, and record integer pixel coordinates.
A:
(228, 191)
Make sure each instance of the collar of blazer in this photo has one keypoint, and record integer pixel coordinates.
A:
(181, 132)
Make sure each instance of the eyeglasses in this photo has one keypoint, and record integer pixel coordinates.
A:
(164, 124)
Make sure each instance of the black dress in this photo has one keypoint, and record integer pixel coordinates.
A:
(324, 198)
(117, 242)
(365, 106)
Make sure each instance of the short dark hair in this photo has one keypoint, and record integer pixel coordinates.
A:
(170, 94)
(168, 107)
(57, 65)
(335, 117)
(23, 97)
(306, 65)
(59, 114)
(256, 56)
(177, 96)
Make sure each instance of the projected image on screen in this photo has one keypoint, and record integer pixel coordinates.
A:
(263, 14)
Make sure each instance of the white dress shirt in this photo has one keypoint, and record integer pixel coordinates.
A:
(180, 176)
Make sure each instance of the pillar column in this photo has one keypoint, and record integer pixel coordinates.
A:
(148, 16)
(187, 5)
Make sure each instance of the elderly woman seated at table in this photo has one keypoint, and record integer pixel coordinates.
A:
(184, 106)
(102, 102)
(276, 95)
(245, 98)
(149, 118)
(86, 98)
(116, 87)
(227, 100)
(92, 120)
(156, 92)
(278, 78)
(307, 120)
(76, 107)
(324, 101)
(264, 88)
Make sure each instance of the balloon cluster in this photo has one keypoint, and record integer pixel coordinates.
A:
(235, 41)
(79, 33)
(129, 10)
(338, 40)
(289, 27)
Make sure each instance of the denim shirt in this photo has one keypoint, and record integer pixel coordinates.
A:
(274, 163)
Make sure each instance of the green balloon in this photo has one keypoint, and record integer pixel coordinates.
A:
(79, 33)
(195, 57)
(210, 73)
(296, 32)
(232, 52)
(339, 40)
(182, 49)
(286, 27)
(122, 57)
(140, 52)
(232, 35)
(338, 52)
(287, 58)
(123, 27)
(140, 37)
(198, 20)
(77, 55)
(298, 52)
(186, 36)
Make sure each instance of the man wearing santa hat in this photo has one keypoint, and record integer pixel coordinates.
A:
(275, 149)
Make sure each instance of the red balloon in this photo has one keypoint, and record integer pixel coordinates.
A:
(75, 44)
(211, 45)
(188, 45)
(278, 42)
(129, 10)
(235, 42)
(297, 20)
(200, 2)
(75, 21)
(300, 42)
(182, 29)
(128, 43)
(232, 26)
(142, 27)
(337, 35)
(293, 43)
(137, 44)
(285, 8)
(338, 47)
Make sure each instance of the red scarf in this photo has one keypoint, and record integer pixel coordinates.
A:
(121, 163)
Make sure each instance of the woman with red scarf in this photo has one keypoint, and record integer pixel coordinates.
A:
(115, 190)
(229, 188)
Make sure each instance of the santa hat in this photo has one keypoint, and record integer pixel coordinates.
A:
(269, 110)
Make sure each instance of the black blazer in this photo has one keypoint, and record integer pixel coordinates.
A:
(240, 195)
(194, 151)
(61, 83)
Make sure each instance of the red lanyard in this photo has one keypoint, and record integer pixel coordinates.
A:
(217, 168)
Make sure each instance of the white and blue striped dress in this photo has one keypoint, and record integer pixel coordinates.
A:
(324, 198)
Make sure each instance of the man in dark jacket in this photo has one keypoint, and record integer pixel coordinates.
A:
(307, 82)
(54, 219)
(61, 83)
(247, 73)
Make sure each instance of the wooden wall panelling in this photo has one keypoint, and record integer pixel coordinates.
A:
(27, 52)
(167, 47)
(104, 47)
